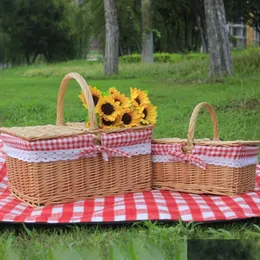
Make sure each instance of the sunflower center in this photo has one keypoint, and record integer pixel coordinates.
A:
(127, 119)
(145, 113)
(138, 101)
(107, 109)
(117, 100)
(107, 123)
(95, 99)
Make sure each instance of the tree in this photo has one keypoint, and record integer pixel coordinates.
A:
(112, 38)
(147, 34)
(177, 22)
(219, 50)
(38, 27)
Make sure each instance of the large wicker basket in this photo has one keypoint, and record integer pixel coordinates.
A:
(204, 166)
(58, 164)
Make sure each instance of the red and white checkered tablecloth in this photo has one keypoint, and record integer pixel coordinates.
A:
(155, 205)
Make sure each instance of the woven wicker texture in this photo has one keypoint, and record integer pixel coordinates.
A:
(82, 126)
(59, 182)
(64, 181)
(219, 180)
(33, 133)
(205, 141)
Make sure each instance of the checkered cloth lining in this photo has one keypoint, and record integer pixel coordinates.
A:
(235, 152)
(239, 156)
(155, 205)
(81, 141)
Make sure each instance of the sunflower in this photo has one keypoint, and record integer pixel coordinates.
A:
(105, 124)
(130, 117)
(138, 97)
(96, 95)
(121, 98)
(88, 124)
(113, 91)
(108, 108)
(149, 114)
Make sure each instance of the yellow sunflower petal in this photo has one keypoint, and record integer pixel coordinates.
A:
(138, 97)
(122, 99)
(149, 114)
(82, 98)
(106, 124)
(96, 95)
(130, 117)
(114, 91)
(108, 108)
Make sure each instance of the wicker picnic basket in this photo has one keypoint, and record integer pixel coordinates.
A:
(204, 166)
(57, 164)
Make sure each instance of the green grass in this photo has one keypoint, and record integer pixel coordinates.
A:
(28, 97)
(139, 241)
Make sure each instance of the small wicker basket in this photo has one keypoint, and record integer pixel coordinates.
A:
(59, 164)
(204, 166)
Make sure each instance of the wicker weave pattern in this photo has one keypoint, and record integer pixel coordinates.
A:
(64, 181)
(215, 179)
(46, 132)
(219, 180)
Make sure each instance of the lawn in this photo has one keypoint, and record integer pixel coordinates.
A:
(28, 97)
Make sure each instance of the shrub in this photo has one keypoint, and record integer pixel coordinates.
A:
(133, 58)
(164, 57)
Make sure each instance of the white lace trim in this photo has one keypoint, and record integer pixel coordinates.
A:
(165, 158)
(73, 154)
(234, 163)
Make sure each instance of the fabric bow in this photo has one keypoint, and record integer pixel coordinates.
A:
(188, 158)
(103, 150)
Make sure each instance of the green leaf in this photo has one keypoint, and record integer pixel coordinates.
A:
(27, 230)
(181, 250)
(105, 93)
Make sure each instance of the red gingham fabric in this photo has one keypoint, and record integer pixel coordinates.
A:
(104, 150)
(231, 152)
(155, 205)
(126, 138)
(66, 143)
(81, 141)
(176, 151)
(235, 152)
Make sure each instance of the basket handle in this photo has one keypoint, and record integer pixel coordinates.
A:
(88, 96)
(193, 120)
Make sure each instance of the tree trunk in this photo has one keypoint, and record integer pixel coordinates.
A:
(112, 38)
(218, 43)
(186, 32)
(203, 40)
(147, 34)
(35, 56)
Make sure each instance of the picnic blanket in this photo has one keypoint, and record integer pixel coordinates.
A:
(154, 205)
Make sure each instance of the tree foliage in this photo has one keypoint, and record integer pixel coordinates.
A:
(247, 12)
(62, 29)
(38, 27)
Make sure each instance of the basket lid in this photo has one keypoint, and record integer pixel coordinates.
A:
(33, 133)
(205, 141)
